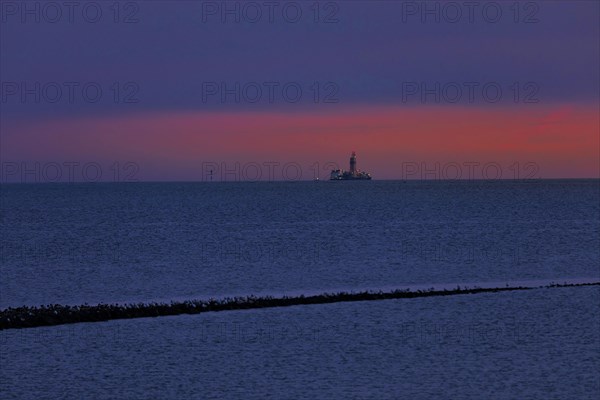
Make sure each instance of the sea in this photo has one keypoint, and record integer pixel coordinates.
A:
(159, 242)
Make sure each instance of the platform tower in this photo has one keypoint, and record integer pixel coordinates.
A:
(353, 169)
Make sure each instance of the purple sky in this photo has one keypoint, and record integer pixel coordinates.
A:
(365, 57)
(368, 53)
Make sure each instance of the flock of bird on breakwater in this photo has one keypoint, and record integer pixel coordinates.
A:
(56, 314)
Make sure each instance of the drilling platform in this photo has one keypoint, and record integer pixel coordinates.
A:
(353, 174)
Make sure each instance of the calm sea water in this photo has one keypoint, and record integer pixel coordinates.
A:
(138, 242)
(160, 241)
(540, 344)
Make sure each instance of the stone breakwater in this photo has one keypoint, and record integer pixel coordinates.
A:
(56, 314)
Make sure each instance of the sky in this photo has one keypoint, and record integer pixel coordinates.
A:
(168, 91)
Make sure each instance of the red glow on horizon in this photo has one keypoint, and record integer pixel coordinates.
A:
(563, 140)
